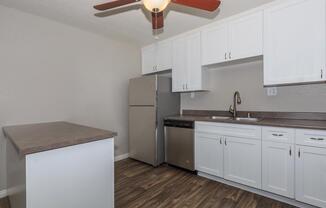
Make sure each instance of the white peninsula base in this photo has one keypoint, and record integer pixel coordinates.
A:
(79, 176)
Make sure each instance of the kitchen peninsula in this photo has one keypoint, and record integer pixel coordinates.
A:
(60, 164)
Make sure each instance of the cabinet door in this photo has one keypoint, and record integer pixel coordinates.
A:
(214, 44)
(179, 64)
(209, 154)
(194, 79)
(278, 168)
(148, 59)
(242, 161)
(164, 55)
(246, 36)
(310, 169)
(294, 42)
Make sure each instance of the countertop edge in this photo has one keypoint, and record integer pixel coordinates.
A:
(262, 122)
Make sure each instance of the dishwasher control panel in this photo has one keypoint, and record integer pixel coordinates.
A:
(179, 124)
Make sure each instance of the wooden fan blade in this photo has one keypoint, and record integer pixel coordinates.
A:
(208, 5)
(157, 20)
(114, 4)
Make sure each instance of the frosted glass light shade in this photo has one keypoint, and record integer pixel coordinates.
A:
(156, 5)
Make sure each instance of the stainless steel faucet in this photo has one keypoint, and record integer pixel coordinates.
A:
(236, 100)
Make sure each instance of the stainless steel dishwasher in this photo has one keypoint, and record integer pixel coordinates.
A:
(179, 143)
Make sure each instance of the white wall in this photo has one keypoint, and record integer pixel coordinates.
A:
(248, 79)
(50, 71)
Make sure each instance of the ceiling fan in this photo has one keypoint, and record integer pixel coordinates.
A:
(156, 7)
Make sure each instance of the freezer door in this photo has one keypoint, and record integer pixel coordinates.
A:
(142, 134)
(142, 91)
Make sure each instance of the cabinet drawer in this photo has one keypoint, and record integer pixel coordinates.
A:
(234, 130)
(314, 138)
(281, 135)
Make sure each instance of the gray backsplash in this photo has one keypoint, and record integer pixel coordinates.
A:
(248, 79)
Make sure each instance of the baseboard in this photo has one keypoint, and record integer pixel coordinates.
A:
(257, 191)
(121, 157)
(3, 193)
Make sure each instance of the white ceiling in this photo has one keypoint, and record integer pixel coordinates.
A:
(132, 25)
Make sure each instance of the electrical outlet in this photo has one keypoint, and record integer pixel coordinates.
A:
(192, 95)
(271, 91)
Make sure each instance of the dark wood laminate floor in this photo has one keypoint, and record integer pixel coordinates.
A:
(138, 185)
(4, 203)
(142, 186)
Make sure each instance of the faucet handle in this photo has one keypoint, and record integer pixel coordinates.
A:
(231, 109)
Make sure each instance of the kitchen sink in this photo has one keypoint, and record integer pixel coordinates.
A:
(220, 117)
(247, 119)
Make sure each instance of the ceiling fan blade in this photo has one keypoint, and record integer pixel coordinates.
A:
(114, 4)
(157, 20)
(208, 5)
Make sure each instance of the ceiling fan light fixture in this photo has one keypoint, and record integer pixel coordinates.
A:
(156, 5)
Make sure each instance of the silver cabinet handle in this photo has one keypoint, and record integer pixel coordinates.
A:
(225, 142)
(299, 153)
(321, 73)
(290, 152)
(230, 55)
(317, 139)
(225, 56)
(278, 135)
(220, 140)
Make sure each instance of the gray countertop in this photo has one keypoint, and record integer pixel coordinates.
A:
(33, 138)
(277, 122)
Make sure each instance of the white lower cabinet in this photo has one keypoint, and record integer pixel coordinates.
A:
(278, 168)
(283, 161)
(310, 166)
(211, 160)
(242, 161)
(230, 151)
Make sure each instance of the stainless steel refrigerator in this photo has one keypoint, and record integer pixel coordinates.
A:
(150, 100)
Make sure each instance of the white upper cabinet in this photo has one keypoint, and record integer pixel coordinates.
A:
(179, 64)
(246, 36)
(148, 59)
(294, 42)
(164, 55)
(194, 75)
(186, 66)
(236, 39)
(214, 44)
(157, 57)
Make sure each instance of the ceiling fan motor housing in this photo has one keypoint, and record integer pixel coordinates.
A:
(156, 6)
